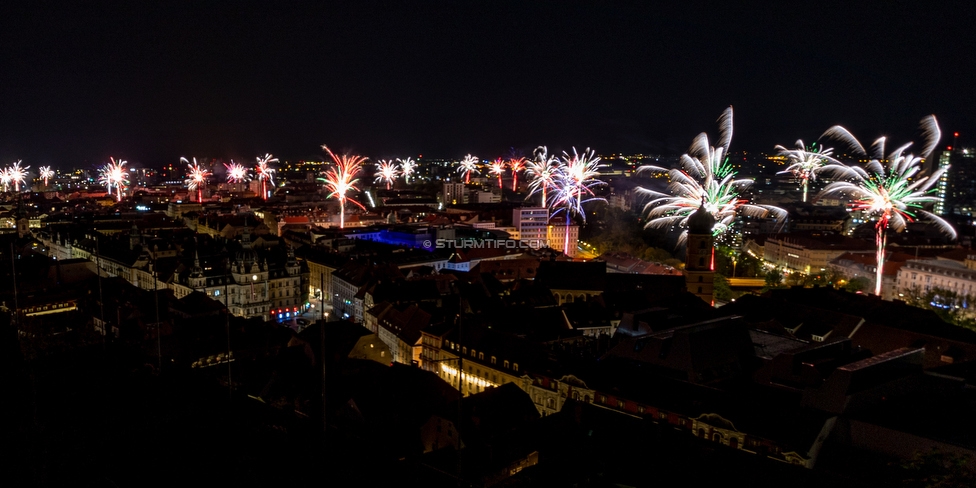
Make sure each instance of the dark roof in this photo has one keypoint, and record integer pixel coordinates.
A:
(571, 275)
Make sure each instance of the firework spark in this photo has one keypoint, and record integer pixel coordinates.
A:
(236, 173)
(114, 174)
(17, 174)
(407, 168)
(5, 178)
(45, 173)
(704, 178)
(542, 169)
(573, 185)
(498, 168)
(806, 162)
(888, 186)
(341, 179)
(265, 174)
(516, 162)
(387, 172)
(196, 177)
(467, 166)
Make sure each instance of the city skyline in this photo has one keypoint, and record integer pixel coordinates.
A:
(151, 85)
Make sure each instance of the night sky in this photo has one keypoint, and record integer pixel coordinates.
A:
(153, 81)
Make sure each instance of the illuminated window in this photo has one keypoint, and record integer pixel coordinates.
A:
(481, 355)
(493, 361)
(515, 367)
(505, 364)
(464, 350)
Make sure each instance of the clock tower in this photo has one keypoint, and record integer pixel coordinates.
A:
(700, 256)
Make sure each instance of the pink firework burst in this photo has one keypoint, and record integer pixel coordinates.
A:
(341, 179)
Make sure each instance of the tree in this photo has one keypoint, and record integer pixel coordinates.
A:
(856, 284)
(721, 289)
(774, 279)
(827, 277)
(950, 306)
(795, 279)
(937, 469)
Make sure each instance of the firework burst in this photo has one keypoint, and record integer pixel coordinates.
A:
(889, 186)
(114, 174)
(542, 169)
(5, 178)
(806, 162)
(704, 179)
(516, 163)
(17, 174)
(467, 166)
(265, 174)
(236, 173)
(45, 173)
(407, 168)
(341, 180)
(573, 184)
(387, 172)
(196, 177)
(498, 168)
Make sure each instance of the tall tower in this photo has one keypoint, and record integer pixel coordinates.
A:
(700, 258)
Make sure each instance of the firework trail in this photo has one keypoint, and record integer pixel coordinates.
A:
(265, 174)
(236, 173)
(341, 180)
(498, 168)
(516, 162)
(542, 169)
(573, 185)
(888, 186)
(196, 177)
(704, 178)
(387, 172)
(407, 167)
(806, 163)
(45, 173)
(468, 165)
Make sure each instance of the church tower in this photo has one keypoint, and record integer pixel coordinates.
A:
(22, 222)
(700, 258)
